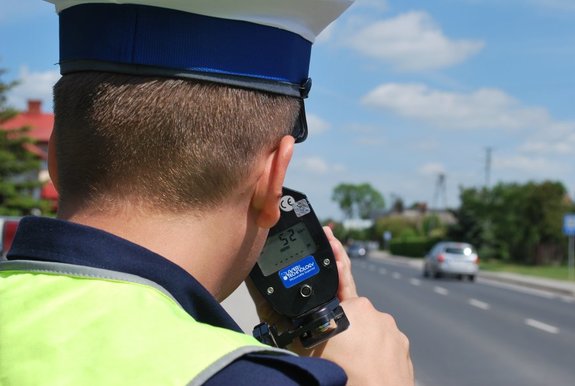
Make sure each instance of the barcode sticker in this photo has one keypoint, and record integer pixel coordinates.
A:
(301, 208)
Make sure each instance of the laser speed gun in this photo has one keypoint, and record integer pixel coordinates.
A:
(297, 274)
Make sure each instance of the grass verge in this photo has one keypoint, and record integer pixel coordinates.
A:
(549, 272)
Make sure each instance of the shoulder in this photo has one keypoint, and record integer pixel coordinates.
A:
(279, 370)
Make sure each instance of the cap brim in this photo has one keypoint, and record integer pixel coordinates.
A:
(300, 130)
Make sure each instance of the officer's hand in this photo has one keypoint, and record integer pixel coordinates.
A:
(372, 351)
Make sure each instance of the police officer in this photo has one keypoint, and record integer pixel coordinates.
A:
(175, 122)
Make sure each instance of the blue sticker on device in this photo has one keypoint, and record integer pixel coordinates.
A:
(298, 272)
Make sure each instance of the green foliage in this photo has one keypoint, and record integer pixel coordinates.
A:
(359, 234)
(514, 222)
(400, 227)
(412, 247)
(431, 225)
(411, 236)
(358, 201)
(5, 112)
(18, 167)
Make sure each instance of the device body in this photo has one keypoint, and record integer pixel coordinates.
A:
(297, 274)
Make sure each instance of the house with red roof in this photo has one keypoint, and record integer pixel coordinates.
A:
(41, 125)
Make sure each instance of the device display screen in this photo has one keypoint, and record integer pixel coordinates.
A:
(286, 247)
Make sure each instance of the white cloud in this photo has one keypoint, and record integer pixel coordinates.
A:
(561, 5)
(313, 165)
(432, 169)
(317, 165)
(485, 108)
(316, 125)
(559, 147)
(531, 166)
(557, 138)
(412, 42)
(33, 85)
(369, 6)
(539, 152)
(326, 34)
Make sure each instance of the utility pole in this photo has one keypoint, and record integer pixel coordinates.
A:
(440, 190)
(487, 166)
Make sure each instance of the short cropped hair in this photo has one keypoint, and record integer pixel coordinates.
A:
(170, 144)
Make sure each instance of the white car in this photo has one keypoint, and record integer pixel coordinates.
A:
(451, 258)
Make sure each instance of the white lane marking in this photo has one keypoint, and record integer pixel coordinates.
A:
(396, 275)
(415, 282)
(479, 304)
(382, 271)
(568, 299)
(518, 288)
(440, 290)
(542, 326)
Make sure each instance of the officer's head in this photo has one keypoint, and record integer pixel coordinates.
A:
(168, 106)
(172, 144)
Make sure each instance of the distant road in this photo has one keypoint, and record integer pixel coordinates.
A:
(467, 334)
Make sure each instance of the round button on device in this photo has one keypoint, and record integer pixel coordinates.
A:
(305, 291)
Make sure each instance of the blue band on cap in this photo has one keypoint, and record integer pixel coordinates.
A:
(164, 38)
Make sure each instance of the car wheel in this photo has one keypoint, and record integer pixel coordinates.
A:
(471, 277)
(436, 275)
(425, 273)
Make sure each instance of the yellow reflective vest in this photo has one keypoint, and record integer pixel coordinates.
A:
(62, 324)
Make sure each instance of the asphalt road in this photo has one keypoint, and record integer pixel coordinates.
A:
(483, 333)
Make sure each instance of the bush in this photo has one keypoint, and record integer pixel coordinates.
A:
(412, 247)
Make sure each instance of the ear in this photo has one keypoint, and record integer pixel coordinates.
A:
(268, 190)
(52, 162)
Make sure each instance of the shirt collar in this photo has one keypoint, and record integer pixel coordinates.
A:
(46, 239)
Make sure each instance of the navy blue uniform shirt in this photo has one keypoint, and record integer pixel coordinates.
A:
(45, 239)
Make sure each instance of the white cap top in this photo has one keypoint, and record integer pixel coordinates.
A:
(306, 18)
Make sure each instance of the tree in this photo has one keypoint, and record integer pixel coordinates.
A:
(16, 165)
(473, 221)
(399, 227)
(358, 201)
(5, 112)
(519, 222)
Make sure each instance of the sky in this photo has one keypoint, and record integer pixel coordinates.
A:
(403, 92)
